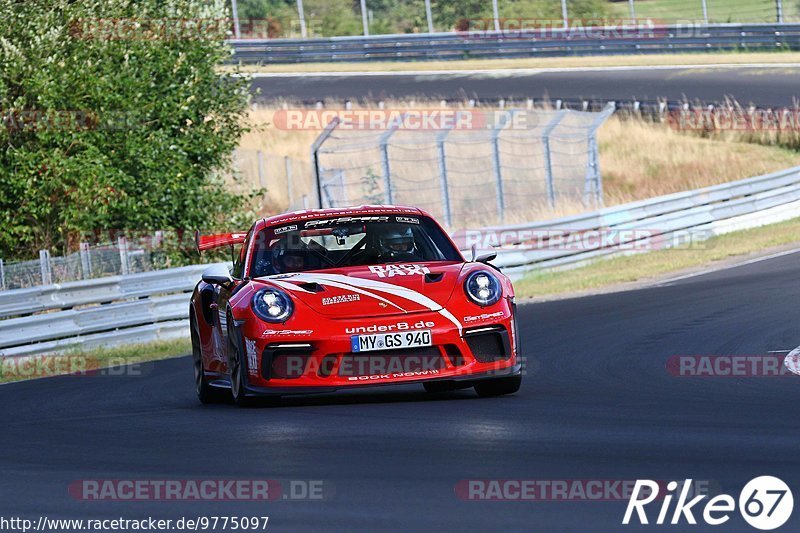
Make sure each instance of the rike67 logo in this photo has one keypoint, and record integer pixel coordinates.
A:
(765, 503)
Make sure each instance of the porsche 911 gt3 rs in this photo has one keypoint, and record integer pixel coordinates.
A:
(327, 299)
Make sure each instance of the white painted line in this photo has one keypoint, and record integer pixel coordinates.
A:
(792, 361)
(727, 267)
(505, 72)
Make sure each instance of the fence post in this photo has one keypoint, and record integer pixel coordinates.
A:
(2, 276)
(779, 11)
(315, 156)
(383, 142)
(548, 160)
(86, 260)
(122, 244)
(302, 15)
(235, 12)
(428, 15)
(448, 215)
(287, 164)
(705, 11)
(364, 20)
(44, 266)
(593, 190)
(498, 174)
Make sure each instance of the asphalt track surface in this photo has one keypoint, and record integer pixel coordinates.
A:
(597, 403)
(762, 86)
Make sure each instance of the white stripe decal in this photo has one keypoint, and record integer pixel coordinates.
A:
(395, 290)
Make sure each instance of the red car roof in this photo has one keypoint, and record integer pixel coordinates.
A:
(310, 214)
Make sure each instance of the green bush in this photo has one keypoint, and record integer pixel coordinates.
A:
(112, 125)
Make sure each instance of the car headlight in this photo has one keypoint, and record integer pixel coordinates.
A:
(483, 288)
(272, 305)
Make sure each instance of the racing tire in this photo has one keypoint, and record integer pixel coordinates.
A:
(237, 368)
(205, 392)
(498, 386)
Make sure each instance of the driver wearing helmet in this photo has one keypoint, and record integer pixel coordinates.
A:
(287, 259)
(396, 243)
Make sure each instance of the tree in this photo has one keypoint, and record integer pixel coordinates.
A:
(115, 118)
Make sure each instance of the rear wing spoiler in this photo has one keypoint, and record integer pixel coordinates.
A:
(218, 240)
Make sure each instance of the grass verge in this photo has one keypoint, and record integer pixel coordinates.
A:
(93, 362)
(633, 60)
(650, 265)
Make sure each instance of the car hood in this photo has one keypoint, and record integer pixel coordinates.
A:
(370, 291)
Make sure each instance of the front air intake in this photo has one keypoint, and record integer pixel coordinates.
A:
(285, 360)
(488, 344)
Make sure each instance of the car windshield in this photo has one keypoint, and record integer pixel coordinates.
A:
(349, 241)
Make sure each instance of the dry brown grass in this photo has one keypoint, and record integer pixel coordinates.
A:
(638, 159)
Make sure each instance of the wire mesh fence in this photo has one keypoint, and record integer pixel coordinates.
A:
(287, 182)
(407, 17)
(481, 168)
(92, 261)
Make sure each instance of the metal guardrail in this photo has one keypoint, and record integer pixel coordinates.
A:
(128, 309)
(73, 322)
(666, 221)
(173, 329)
(554, 42)
(99, 290)
(657, 222)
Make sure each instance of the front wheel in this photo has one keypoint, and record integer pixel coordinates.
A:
(498, 386)
(238, 371)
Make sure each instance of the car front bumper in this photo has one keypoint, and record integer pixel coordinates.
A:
(317, 357)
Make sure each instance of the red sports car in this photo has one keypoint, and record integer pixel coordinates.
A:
(329, 299)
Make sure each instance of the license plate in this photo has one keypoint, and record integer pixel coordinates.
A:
(390, 341)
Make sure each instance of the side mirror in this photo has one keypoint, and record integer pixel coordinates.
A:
(217, 275)
(484, 257)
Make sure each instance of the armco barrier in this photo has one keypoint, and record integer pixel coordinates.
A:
(133, 309)
(174, 329)
(154, 305)
(556, 42)
(36, 328)
(99, 290)
(703, 212)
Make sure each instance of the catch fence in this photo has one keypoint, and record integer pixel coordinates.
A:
(482, 167)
